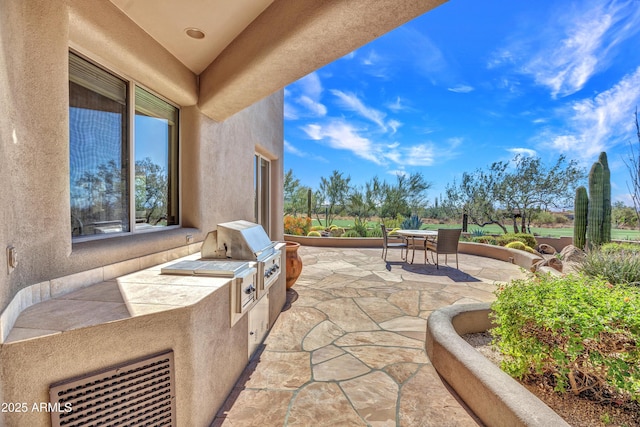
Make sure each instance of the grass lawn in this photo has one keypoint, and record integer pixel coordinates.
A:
(494, 229)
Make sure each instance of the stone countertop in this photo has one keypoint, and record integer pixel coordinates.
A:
(140, 293)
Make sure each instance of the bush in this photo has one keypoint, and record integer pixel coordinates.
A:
(581, 332)
(374, 232)
(489, 240)
(527, 239)
(628, 248)
(516, 245)
(314, 234)
(616, 266)
(298, 226)
(351, 233)
(336, 231)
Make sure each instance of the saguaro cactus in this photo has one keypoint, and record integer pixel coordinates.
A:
(581, 207)
(596, 209)
(606, 198)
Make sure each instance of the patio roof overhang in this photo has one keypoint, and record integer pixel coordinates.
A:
(260, 47)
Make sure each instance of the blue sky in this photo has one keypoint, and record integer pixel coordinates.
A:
(470, 83)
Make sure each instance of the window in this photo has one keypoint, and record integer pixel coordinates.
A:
(123, 154)
(261, 174)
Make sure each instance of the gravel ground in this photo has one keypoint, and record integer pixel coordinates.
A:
(577, 411)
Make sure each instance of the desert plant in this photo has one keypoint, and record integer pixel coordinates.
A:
(374, 232)
(527, 239)
(411, 223)
(317, 228)
(336, 231)
(615, 266)
(516, 245)
(360, 226)
(599, 216)
(629, 248)
(476, 232)
(489, 240)
(351, 233)
(298, 226)
(581, 209)
(314, 234)
(581, 332)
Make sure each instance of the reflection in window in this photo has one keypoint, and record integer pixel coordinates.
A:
(99, 151)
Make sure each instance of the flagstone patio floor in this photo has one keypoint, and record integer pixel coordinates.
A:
(348, 348)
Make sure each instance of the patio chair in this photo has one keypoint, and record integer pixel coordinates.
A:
(404, 248)
(446, 244)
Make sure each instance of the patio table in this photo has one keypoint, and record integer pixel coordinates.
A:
(421, 234)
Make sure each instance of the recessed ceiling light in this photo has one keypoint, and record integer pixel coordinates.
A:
(194, 33)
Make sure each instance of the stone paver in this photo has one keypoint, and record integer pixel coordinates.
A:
(350, 349)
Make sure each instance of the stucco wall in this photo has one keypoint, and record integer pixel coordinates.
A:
(216, 158)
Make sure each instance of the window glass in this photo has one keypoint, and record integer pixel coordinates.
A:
(98, 150)
(155, 154)
(106, 195)
(261, 175)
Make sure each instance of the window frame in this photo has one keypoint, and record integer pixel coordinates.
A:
(262, 213)
(131, 143)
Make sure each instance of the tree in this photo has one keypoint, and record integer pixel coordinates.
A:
(331, 198)
(474, 197)
(151, 191)
(633, 165)
(525, 184)
(295, 195)
(407, 196)
(514, 189)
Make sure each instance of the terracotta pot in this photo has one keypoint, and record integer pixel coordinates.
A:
(294, 263)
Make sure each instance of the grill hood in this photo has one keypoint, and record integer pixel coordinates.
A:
(238, 240)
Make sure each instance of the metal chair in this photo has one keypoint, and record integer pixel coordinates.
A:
(386, 245)
(446, 244)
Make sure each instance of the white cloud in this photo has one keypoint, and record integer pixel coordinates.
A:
(577, 43)
(351, 102)
(394, 125)
(293, 150)
(420, 155)
(340, 135)
(302, 98)
(461, 89)
(397, 105)
(523, 151)
(594, 124)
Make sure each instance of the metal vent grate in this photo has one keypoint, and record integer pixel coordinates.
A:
(139, 393)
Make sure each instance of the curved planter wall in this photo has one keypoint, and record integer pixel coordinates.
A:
(521, 258)
(495, 397)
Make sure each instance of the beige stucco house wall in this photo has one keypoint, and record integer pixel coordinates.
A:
(216, 184)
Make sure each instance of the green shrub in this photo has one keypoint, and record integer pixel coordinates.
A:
(360, 226)
(314, 233)
(628, 248)
(615, 266)
(374, 232)
(582, 332)
(478, 232)
(516, 245)
(489, 240)
(525, 238)
(336, 231)
(351, 233)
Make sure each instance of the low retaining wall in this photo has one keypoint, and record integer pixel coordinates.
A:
(514, 256)
(495, 397)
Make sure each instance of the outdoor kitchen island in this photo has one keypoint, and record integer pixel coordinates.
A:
(133, 317)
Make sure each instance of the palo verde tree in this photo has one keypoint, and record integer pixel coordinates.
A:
(331, 197)
(295, 194)
(404, 197)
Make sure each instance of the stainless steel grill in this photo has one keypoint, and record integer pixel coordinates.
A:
(240, 250)
(140, 393)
